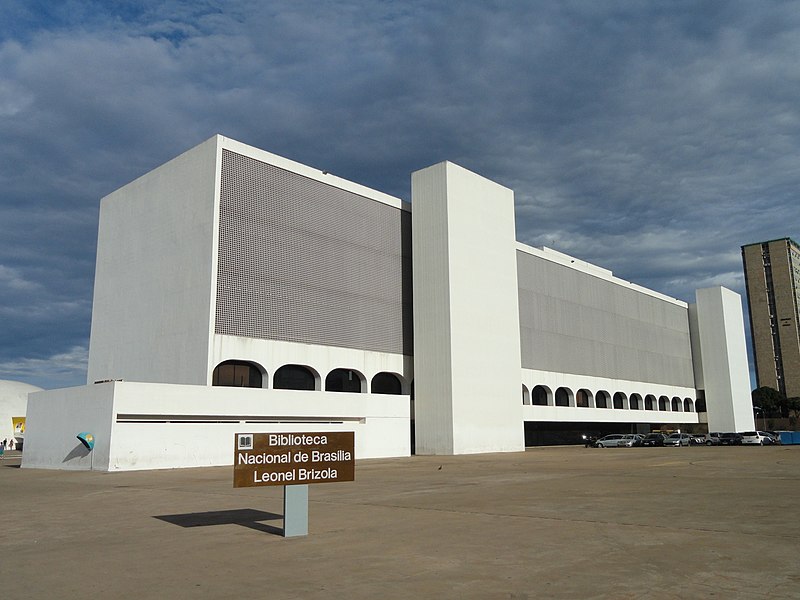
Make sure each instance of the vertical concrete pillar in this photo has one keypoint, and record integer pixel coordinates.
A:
(723, 355)
(466, 315)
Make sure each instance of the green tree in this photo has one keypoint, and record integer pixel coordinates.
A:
(793, 406)
(768, 399)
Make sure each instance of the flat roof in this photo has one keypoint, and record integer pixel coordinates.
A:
(785, 239)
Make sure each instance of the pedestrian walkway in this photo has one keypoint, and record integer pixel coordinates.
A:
(547, 523)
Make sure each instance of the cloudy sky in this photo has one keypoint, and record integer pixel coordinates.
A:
(651, 138)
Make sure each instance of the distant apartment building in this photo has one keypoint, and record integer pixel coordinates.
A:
(772, 276)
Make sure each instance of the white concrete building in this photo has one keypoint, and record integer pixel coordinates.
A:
(237, 290)
(13, 406)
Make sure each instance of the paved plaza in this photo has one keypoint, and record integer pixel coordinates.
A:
(558, 522)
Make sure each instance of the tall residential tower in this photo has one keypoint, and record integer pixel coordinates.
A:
(772, 276)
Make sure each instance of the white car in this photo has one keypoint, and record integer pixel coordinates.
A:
(758, 438)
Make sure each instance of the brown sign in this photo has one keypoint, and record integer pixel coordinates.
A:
(293, 458)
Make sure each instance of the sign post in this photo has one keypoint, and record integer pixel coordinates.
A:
(293, 460)
(295, 510)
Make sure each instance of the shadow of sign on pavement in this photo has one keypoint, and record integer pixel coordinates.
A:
(246, 517)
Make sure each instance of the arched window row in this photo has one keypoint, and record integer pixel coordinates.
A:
(543, 395)
(238, 373)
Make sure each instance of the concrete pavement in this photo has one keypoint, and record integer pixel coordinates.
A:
(564, 522)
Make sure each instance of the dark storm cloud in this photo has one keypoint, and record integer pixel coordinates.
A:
(653, 139)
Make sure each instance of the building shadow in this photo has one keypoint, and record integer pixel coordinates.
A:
(246, 517)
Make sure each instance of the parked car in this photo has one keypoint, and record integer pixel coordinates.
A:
(678, 439)
(697, 439)
(713, 438)
(632, 439)
(619, 440)
(654, 439)
(776, 439)
(609, 441)
(730, 439)
(758, 438)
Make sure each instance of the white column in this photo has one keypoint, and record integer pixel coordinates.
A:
(466, 314)
(723, 352)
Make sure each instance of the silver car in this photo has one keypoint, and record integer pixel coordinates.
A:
(678, 439)
(616, 440)
(609, 441)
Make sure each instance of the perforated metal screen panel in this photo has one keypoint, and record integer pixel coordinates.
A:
(303, 261)
(572, 322)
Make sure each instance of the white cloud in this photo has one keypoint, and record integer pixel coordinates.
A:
(651, 140)
(13, 280)
(59, 370)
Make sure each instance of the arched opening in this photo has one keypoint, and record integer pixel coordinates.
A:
(526, 395)
(237, 373)
(649, 402)
(636, 402)
(602, 399)
(687, 405)
(386, 383)
(583, 398)
(562, 396)
(294, 377)
(344, 380)
(663, 403)
(676, 404)
(700, 405)
(619, 400)
(540, 396)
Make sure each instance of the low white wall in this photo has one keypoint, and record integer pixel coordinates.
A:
(158, 426)
(553, 381)
(56, 417)
(570, 414)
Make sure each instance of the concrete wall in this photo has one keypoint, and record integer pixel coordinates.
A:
(154, 277)
(726, 375)
(466, 316)
(576, 319)
(304, 260)
(760, 321)
(697, 350)
(155, 426)
(773, 301)
(786, 281)
(56, 417)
